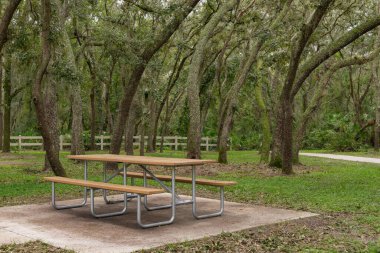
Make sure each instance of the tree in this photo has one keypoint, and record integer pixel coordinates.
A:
(321, 91)
(376, 76)
(77, 145)
(48, 133)
(6, 20)
(193, 80)
(229, 103)
(296, 76)
(149, 50)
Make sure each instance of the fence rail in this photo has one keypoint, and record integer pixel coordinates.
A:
(104, 141)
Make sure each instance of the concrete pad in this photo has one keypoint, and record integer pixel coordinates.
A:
(76, 229)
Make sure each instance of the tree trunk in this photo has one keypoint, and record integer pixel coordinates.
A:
(142, 137)
(93, 118)
(130, 126)
(223, 137)
(230, 101)
(265, 124)
(7, 104)
(51, 114)
(177, 68)
(47, 133)
(375, 69)
(92, 69)
(194, 78)
(227, 109)
(287, 138)
(134, 80)
(6, 20)
(107, 107)
(129, 134)
(151, 126)
(376, 141)
(164, 126)
(77, 145)
(1, 103)
(284, 120)
(275, 157)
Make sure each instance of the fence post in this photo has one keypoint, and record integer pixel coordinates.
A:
(19, 142)
(101, 142)
(207, 148)
(61, 142)
(230, 143)
(175, 143)
(138, 141)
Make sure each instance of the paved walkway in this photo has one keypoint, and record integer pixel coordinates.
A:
(76, 229)
(344, 157)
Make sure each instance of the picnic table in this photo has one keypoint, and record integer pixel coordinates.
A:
(133, 191)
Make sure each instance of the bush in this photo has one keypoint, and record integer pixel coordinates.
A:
(336, 132)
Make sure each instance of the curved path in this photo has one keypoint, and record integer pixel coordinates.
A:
(344, 157)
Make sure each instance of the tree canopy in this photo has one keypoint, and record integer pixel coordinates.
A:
(276, 76)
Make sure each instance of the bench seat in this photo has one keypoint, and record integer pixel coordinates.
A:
(187, 180)
(92, 185)
(106, 186)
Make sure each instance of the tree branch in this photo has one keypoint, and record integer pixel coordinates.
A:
(347, 38)
(6, 20)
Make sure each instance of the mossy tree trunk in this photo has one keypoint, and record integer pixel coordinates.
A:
(1, 103)
(48, 134)
(149, 50)
(265, 124)
(194, 77)
(77, 144)
(6, 20)
(7, 104)
(51, 114)
(130, 126)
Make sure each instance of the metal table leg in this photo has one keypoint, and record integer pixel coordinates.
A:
(221, 209)
(178, 201)
(114, 213)
(107, 179)
(173, 206)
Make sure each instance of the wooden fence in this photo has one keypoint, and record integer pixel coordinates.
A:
(104, 141)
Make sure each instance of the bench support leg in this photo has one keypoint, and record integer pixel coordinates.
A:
(178, 202)
(104, 196)
(173, 206)
(104, 215)
(218, 213)
(61, 207)
(107, 179)
(84, 202)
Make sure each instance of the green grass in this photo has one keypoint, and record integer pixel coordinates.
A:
(337, 187)
(334, 188)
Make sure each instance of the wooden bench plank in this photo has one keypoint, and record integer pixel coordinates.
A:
(105, 186)
(183, 179)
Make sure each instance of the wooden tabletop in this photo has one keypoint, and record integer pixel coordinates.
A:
(144, 160)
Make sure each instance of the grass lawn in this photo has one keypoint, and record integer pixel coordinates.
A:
(346, 194)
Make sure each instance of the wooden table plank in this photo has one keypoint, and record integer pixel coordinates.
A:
(144, 160)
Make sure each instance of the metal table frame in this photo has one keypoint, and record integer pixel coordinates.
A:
(177, 199)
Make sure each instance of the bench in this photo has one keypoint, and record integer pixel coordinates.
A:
(92, 185)
(187, 180)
